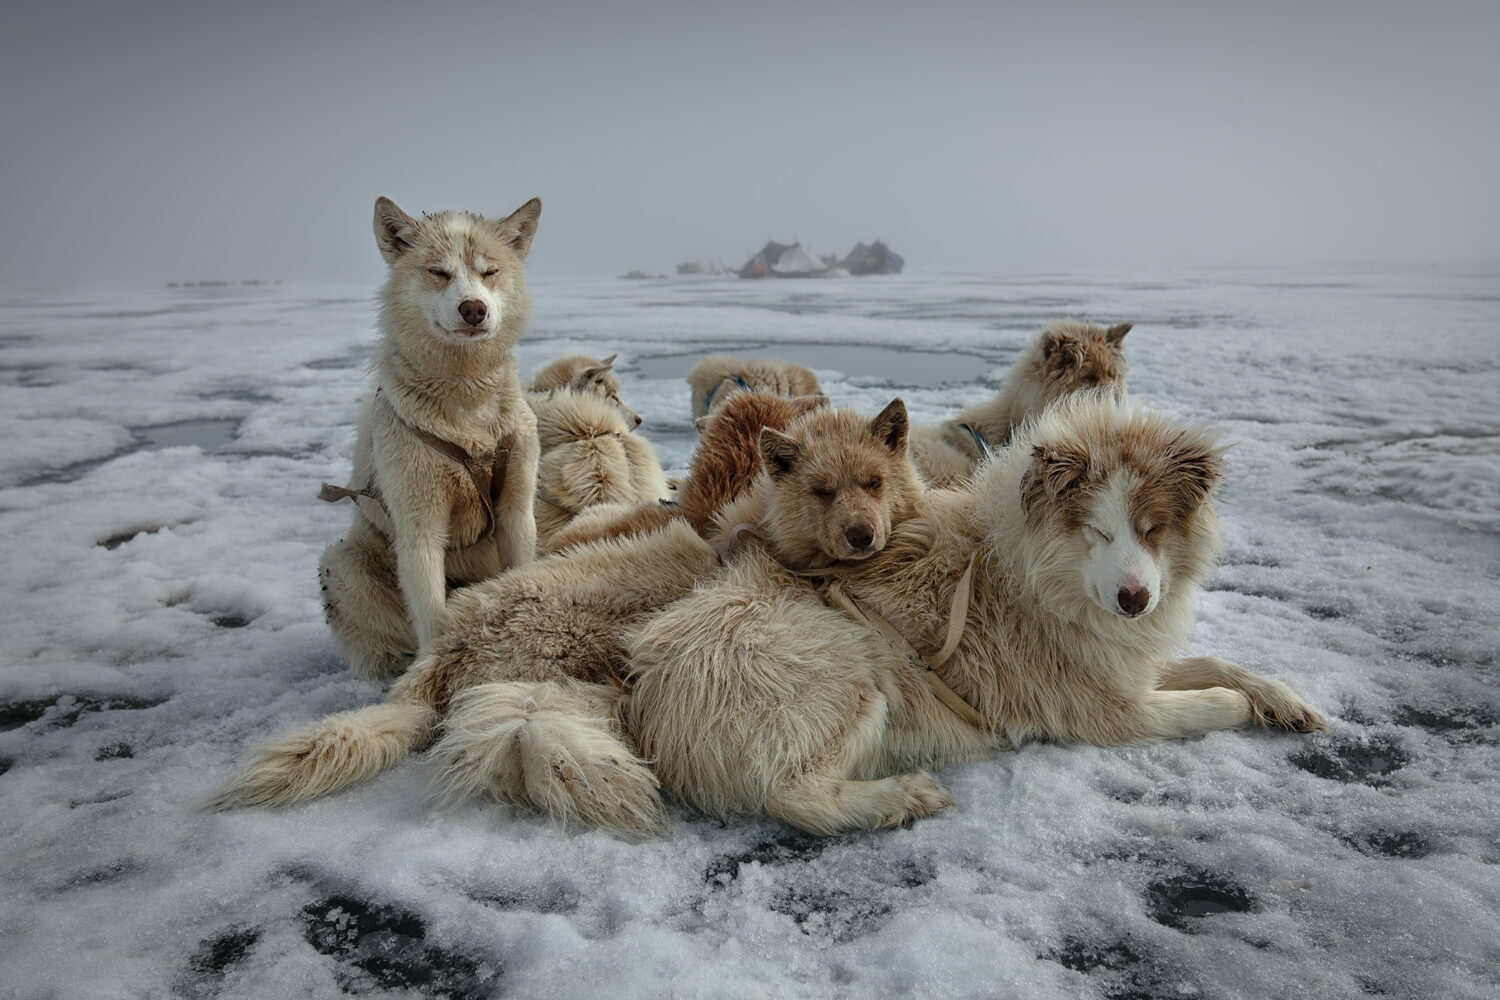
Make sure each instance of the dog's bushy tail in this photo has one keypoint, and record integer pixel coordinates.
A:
(554, 747)
(332, 753)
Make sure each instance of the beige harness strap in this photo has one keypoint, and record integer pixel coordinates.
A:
(486, 472)
(860, 612)
(833, 594)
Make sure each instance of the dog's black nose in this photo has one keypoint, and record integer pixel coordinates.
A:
(1133, 601)
(860, 535)
(473, 311)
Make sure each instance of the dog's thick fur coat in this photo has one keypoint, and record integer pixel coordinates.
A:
(717, 377)
(727, 459)
(1066, 357)
(1089, 538)
(724, 467)
(588, 456)
(452, 309)
(581, 373)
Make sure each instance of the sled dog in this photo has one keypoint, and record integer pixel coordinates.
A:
(445, 453)
(717, 377)
(581, 373)
(1065, 357)
(1047, 602)
(588, 457)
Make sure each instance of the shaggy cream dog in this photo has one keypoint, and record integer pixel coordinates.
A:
(1065, 357)
(717, 377)
(588, 457)
(581, 373)
(445, 455)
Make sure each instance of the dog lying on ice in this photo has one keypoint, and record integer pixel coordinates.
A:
(520, 681)
(1047, 601)
(717, 377)
(1065, 357)
(581, 373)
(445, 455)
(588, 457)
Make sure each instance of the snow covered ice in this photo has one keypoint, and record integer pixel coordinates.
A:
(162, 453)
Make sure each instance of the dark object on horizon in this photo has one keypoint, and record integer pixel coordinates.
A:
(877, 258)
(690, 267)
(785, 260)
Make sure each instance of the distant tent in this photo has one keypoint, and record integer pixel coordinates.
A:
(877, 258)
(783, 260)
(760, 265)
(797, 262)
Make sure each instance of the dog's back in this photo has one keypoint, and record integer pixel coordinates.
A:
(588, 457)
(581, 373)
(717, 377)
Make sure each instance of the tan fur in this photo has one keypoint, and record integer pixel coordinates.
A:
(384, 584)
(610, 520)
(588, 457)
(581, 373)
(1066, 357)
(724, 466)
(557, 621)
(714, 379)
(752, 696)
(727, 459)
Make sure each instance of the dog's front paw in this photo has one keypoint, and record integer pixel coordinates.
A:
(924, 796)
(1275, 704)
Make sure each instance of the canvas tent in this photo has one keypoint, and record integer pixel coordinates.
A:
(783, 260)
(877, 258)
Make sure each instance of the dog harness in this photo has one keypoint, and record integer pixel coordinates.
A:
(708, 401)
(486, 473)
(829, 584)
(985, 451)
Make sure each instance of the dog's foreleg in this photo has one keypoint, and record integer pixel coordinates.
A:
(515, 514)
(1167, 715)
(1272, 703)
(421, 553)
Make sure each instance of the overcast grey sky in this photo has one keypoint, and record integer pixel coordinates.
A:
(157, 141)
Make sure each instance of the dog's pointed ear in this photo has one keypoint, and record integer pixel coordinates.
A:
(890, 426)
(519, 227)
(779, 453)
(1117, 333)
(592, 372)
(806, 404)
(1055, 469)
(393, 229)
(609, 362)
(1197, 464)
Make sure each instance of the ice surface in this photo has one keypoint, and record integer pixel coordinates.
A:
(161, 618)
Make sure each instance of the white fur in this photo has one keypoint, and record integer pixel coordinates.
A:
(1118, 562)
